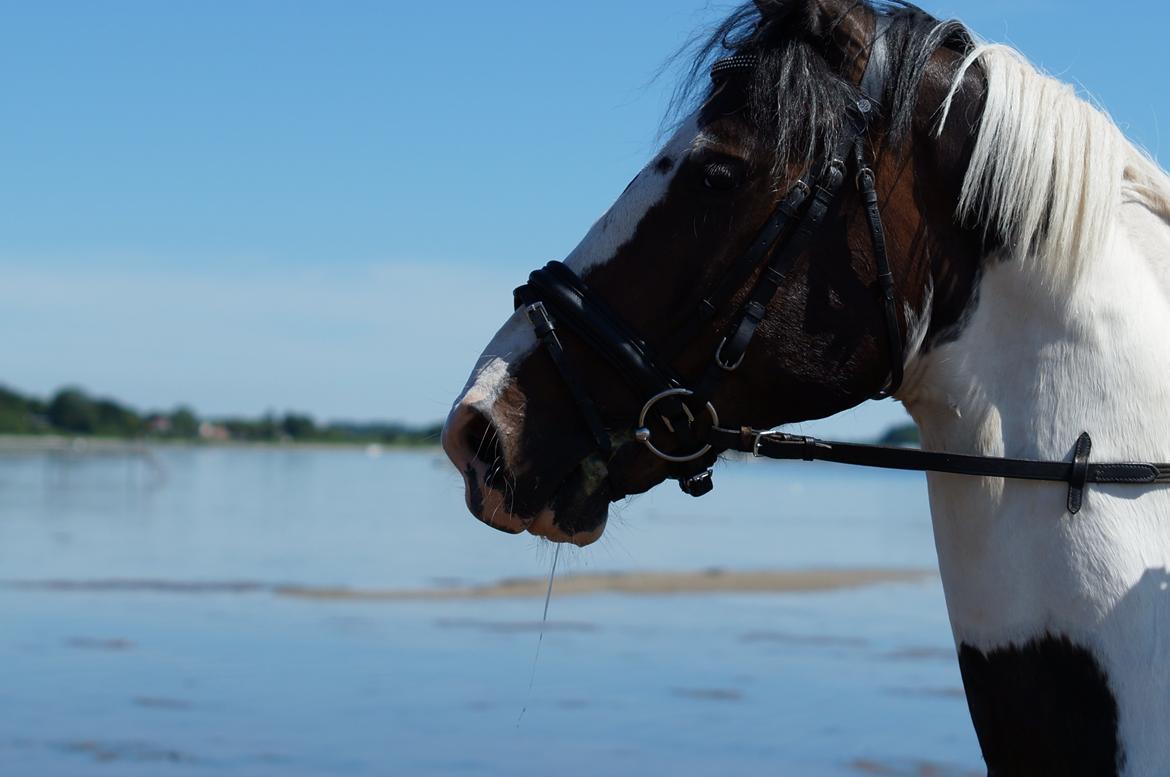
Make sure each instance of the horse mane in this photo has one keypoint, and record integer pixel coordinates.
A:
(1049, 171)
(796, 99)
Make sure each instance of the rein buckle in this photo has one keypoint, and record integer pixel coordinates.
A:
(699, 485)
(723, 364)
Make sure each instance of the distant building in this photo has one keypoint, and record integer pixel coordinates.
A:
(159, 424)
(213, 432)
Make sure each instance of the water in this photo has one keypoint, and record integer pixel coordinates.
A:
(219, 674)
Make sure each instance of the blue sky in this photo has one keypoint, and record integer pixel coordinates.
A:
(321, 206)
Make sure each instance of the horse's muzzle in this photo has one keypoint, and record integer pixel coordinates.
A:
(472, 444)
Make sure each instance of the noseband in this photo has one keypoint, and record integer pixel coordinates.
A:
(555, 297)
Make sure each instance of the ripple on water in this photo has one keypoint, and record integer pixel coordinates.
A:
(810, 640)
(709, 694)
(515, 627)
(161, 703)
(132, 752)
(116, 645)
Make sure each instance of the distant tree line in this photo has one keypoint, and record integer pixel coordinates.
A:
(905, 436)
(73, 412)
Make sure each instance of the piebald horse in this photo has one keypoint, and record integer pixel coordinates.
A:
(1029, 244)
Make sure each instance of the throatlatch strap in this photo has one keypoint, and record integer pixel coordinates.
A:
(873, 83)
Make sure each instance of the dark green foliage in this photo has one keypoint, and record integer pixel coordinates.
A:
(184, 422)
(903, 436)
(72, 411)
(19, 414)
(114, 420)
(298, 427)
(389, 434)
(265, 429)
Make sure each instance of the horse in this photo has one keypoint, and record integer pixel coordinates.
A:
(880, 205)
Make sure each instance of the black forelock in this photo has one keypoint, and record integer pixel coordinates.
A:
(797, 95)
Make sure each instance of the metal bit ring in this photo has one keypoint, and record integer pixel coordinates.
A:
(643, 434)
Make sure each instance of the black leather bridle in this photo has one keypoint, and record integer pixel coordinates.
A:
(556, 297)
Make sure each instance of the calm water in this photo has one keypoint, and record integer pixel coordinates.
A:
(219, 675)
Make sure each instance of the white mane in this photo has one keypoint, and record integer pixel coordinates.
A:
(1049, 171)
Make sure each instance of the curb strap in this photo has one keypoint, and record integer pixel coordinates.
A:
(1077, 474)
(873, 81)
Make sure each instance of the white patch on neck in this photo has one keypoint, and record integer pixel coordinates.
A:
(618, 226)
(1034, 368)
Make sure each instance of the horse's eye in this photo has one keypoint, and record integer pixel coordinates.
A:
(721, 176)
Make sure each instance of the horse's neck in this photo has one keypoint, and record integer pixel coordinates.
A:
(1032, 369)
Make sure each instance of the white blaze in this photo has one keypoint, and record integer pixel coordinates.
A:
(620, 224)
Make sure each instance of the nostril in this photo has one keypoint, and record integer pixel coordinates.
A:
(473, 442)
(476, 429)
(483, 440)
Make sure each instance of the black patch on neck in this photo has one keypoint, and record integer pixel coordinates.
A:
(664, 165)
(1044, 709)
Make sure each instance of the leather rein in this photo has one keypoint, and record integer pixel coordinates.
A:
(555, 297)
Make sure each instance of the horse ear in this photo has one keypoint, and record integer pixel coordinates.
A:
(778, 10)
(841, 27)
(819, 17)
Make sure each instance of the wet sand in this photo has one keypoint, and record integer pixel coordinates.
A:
(635, 584)
(629, 584)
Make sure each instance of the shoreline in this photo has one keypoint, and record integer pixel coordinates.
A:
(632, 584)
(620, 583)
(54, 443)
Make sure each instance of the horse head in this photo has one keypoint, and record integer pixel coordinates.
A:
(823, 107)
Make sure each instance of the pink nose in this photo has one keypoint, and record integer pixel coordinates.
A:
(473, 445)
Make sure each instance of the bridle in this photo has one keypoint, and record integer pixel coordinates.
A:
(555, 297)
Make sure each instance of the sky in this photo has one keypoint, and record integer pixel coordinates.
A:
(271, 205)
